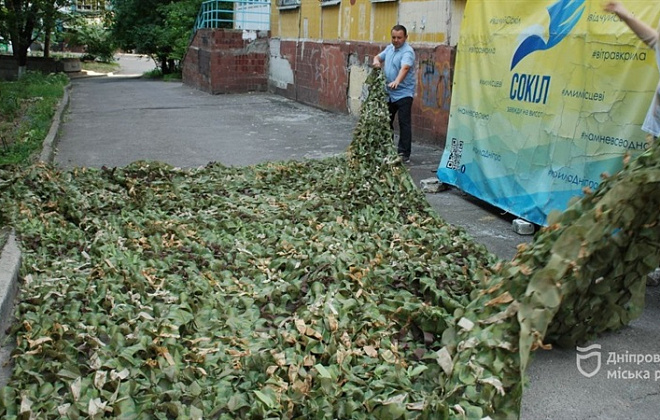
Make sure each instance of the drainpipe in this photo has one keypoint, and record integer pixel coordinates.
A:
(450, 28)
(295, 66)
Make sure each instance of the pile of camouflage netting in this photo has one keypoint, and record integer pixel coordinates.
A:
(307, 290)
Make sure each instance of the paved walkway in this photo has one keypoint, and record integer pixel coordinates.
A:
(113, 121)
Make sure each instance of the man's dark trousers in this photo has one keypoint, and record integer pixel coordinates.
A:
(402, 107)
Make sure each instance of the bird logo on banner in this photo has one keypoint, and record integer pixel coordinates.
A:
(564, 15)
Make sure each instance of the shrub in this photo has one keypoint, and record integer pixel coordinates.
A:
(97, 42)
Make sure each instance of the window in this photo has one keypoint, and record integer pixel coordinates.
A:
(288, 4)
(89, 5)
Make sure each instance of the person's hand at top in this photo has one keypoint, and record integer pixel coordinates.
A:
(617, 8)
(612, 6)
(643, 31)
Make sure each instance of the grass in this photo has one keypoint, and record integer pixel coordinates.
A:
(27, 107)
(100, 67)
(158, 74)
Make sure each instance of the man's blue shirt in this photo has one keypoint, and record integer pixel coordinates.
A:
(394, 59)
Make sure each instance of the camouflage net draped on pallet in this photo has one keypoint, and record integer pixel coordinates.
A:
(300, 290)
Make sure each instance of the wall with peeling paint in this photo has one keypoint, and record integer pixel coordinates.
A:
(331, 75)
(321, 51)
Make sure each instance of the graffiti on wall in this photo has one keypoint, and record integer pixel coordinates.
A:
(323, 73)
(435, 84)
(327, 65)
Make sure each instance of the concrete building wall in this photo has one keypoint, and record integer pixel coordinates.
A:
(9, 66)
(426, 20)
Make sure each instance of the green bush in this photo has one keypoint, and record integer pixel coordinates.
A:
(97, 42)
(158, 74)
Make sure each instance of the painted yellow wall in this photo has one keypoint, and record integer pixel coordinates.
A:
(285, 23)
(427, 21)
(311, 19)
(384, 15)
(355, 20)
(330, 22)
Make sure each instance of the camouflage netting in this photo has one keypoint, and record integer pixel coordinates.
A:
(300, 290)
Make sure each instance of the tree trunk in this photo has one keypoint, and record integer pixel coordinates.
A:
(47, 41)
(22, 22)
(21, 52)
(163, 65)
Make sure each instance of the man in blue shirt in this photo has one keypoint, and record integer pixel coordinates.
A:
(398, 62)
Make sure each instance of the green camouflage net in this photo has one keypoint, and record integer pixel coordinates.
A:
(299, 290)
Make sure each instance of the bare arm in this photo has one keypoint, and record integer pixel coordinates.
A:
(399, 77)
(643, 31)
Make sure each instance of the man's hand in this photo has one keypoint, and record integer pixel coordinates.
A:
(399, 78)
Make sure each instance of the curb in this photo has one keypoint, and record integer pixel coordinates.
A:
(10, 262)
(10, 253)
(47, 151)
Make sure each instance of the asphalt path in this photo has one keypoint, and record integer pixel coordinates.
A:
(115, 120)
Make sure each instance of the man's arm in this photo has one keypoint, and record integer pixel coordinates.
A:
(399, 77)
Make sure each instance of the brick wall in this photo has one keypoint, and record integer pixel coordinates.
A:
(227, 61)
(321, 78)
(316, 73)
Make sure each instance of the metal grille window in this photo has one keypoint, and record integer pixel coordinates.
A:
(89, 5)
(234, 14)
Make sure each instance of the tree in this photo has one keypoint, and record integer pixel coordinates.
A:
(23, 21)
(95, 37)
(159, 28)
